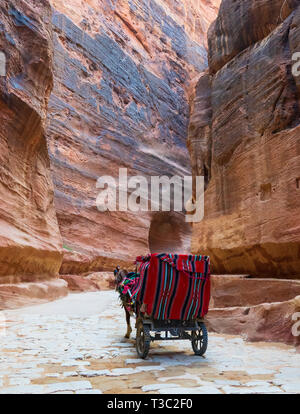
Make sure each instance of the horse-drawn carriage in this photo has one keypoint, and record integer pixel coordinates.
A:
(169, 295)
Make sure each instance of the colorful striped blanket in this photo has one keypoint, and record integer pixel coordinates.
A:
(175, 287)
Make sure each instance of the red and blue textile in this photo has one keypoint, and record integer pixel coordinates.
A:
(175, 287)
(130, 285)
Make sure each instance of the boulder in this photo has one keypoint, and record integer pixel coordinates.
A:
(231, 290)
(15, 295)
(104, 280)
(91, 282)
(269, 322)
(79, 283)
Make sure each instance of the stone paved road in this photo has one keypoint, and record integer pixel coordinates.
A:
(76, 345)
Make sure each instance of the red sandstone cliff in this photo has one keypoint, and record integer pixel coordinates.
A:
(121, 73)
(103, 85)
(244, 137)
(30, 242)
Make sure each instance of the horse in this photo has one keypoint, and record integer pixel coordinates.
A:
(125, 300)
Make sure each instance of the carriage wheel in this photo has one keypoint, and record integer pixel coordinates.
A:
(200, 340)
(142, 340)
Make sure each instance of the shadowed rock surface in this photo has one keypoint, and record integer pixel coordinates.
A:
(252, 21)
(244, 137)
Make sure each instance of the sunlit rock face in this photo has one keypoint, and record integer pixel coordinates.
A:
(120, 99)
(30, 242)
(244, 137)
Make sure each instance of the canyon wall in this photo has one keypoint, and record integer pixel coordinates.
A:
(30, 241)
(29, 227)
(244, 137)
(122, 70)
(90, 86)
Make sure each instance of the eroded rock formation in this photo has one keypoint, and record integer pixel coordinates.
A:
(244, 137)
(271, 322)
(239, 291)
(93, 282)
(122, 70)
(257, 309)
(30, 242)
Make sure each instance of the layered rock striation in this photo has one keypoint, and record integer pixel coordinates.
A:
(244, 138)
(95, 86)
(30, 241)
(257, 309)
(122, 72)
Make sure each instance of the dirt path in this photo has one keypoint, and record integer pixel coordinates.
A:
(76, 345)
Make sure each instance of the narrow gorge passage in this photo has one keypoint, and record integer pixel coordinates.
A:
(76, 345)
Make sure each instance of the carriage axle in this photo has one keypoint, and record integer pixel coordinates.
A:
(197, 336)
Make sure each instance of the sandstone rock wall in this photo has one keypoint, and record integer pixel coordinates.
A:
(30, 241)
(269, 322)
(122, 71)
(244, 136)
(238, 291)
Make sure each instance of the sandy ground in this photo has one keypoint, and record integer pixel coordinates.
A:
(77, 345)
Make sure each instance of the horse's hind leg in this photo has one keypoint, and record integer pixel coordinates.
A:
(129, 330)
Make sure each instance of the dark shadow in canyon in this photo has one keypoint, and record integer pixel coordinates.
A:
(169, 233)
